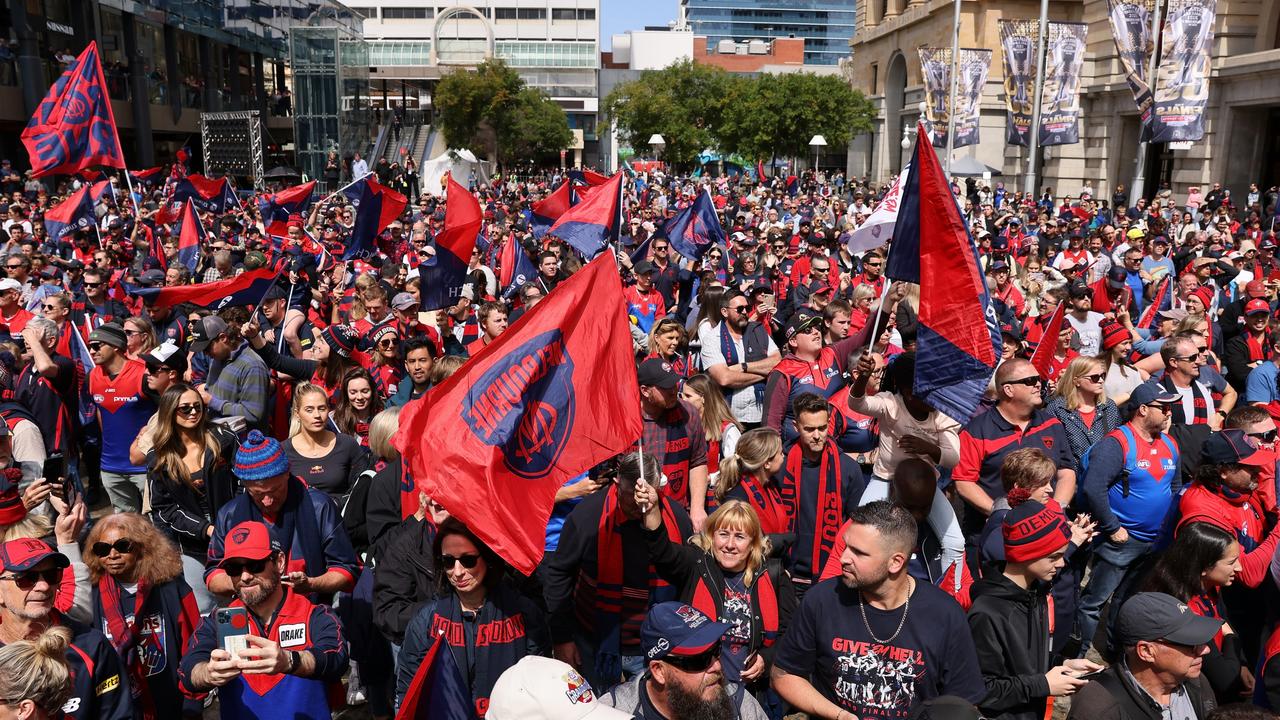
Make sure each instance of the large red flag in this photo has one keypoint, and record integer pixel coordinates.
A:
(1042, 358)
(548, 399)
(74, 127)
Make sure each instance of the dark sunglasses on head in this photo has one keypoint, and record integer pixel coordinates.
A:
(694, 663)
(469, 560)
(238, 567)
(27, 580)
(1030, 381)
(123, 546)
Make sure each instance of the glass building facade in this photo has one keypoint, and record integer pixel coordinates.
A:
(825, 25)
(330, 65)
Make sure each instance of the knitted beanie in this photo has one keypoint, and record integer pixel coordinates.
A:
(341, 339)
(1032, 531)
(11, 508)
(1113, 334)
(260, 457)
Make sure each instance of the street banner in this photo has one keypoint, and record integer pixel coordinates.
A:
(1018, 40)
(1131, 28)
(935, 66)
(974, 66)
(1060, 99)
(1182, 77)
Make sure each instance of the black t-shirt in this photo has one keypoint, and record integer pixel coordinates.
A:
(932, 656)
(737, 612)
(334, 472)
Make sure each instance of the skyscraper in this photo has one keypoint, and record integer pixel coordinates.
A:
(825, 25)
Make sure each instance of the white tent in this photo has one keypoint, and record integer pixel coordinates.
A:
(462, 164)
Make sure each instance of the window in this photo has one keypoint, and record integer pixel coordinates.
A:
(405, 13)
(587, 14)
(875, 77)
(563, 14)
(504, 13)
(531, 13)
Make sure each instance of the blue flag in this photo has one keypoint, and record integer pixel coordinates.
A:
(695, 229)
(437, 691)
(376, 207)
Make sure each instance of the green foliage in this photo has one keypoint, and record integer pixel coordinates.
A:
(696, 107)
(492, 99)
(682, 102)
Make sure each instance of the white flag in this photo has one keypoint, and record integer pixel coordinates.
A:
(878, 228)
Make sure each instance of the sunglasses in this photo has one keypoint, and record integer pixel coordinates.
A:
(694, 663)
(190, 408)
(95, 346)
(1162, 407)
(1266, 437)
(387, 342)
(237, 567)
(1096, 377)
(469, 561)
(737, 309)
(123, 546)
(1030, 381)
(89, 284)
(12, 267)
(27, 580)
(49, 308)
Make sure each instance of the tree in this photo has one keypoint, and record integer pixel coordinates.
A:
(491, 108)
(682, 102)
(776, 115)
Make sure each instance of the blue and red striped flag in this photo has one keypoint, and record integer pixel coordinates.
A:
(247, 288)
(376, 207)
(549, 209)
(444, 274)
(514, 268)
(437, 691)
(1150, 319)
(74, 213)
(586, 177)
(191, 238)
(535, 407)
(958, 341)
(150, 175)
(695, 229)
(209, 195)
(277, 207)
(74, 127)
(1042, 358)
(100, 188)
(594, 222)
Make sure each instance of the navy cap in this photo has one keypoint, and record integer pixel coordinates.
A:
(674, 628)
(1231, 447)
(656, 372)
(1156, 616)
(1117, 277)
(802, 322)
(1148, 393)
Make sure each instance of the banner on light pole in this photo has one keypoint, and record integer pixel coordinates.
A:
(1018, 40)
(1060, 101)
(1182, 77)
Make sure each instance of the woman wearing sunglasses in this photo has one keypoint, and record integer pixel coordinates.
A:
(726, 573)
(1081, 404)
(386, 365)
(472, 593)
(189, 478)
(144, 607)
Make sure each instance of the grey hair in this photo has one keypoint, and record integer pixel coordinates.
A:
(47, 327)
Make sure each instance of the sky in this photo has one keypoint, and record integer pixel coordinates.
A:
(619, 16)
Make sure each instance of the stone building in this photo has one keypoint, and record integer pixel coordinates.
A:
(1242, 137)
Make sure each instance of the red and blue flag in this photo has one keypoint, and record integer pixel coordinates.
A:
(535, 407)
(695, 229)
(444, 274)
(191, 238)
(247, 288)
(793, 185)
(74, 127)
(760, 171)
(376, 207)
(437, 690)
(100, 188)
(277, 207)
(958, 341)
(514, 267)
(586, 177)
(1042, 358)
(209, 195)
(549, 209)
(74, 213)
(594, 222)
(150, 175)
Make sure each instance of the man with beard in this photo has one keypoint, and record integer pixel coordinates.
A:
(295, 649)
(857, 648)
(683, 680)
(738, 355)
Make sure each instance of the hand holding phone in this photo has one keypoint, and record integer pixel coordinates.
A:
(233, 630)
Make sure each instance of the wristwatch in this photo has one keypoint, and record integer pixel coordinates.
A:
(294, 660)
(743, 366)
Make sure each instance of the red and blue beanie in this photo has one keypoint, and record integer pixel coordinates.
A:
(260, 457)
(341, 339)
(1032, 531)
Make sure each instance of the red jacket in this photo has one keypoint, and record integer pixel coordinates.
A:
(1241, 515)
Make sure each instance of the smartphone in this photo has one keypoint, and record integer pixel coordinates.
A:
(1091, 675)
(430, 319)
(233, 630)
(55, 466)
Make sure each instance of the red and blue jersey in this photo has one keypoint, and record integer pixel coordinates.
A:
(644, 308)
(1129, 482)
(123, 410)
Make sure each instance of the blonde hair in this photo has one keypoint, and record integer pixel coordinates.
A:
(303, 389)
(36, 670)
(715, 409)
(31, 526)
(755, 448)
(737, 515)
(381, 428)
(662, 327)
(1077, 368)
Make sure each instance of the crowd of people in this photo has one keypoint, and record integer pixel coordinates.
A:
(205, 503)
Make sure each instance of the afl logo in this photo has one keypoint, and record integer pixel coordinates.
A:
(524, 404)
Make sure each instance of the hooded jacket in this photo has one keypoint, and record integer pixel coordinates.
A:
(1010, 629)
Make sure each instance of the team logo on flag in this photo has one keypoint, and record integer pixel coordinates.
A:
(524, 404)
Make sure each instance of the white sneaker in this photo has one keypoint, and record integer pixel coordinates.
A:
(355, 688)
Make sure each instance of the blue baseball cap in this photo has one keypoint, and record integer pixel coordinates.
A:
(674, 628)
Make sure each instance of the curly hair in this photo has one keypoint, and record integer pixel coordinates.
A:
(158, 558)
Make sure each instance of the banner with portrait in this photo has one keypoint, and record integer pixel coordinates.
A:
(974, 66)
(1060, 96)
(1182, 77)
(1018, 40)
(935, 68)
(1131, 28)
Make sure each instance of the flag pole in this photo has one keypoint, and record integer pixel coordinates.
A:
(1138, 188)
(335, 193)
(1042, 35)
(129, 183)
(287, 304)
(955, 81)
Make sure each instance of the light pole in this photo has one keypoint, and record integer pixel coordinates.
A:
(657, 143)
(817, 143)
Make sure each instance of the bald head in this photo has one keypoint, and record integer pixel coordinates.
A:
(1013, 369)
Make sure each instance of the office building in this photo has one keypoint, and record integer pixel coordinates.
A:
(825, 25)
